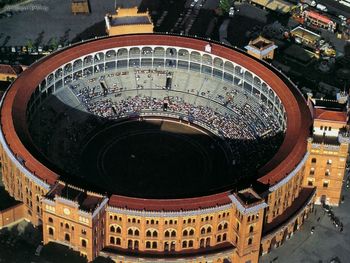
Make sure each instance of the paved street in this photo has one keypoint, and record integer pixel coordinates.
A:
(325, 244)
(42, 20)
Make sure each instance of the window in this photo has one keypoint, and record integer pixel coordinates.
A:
(191, 232)
(327, 173)
(329, 128)
(50, 220)
(67, 237)
(130, 232)
(250, 241)
(67, 226)
(190, 243)
(83, 231)
(112, 229)
(310, 182)
(83, 243)
(154, 244)
(325, 184)
(224, 237)
(148, 233)
(51, 231)
(136, 233)
(118, 241)
(321, 128)
(312, 171)
(313, 160)
(251, 229)
(119, 230)
(329, 161)
(184, 233)
(218, 239)
(112, 240)
(184, 244)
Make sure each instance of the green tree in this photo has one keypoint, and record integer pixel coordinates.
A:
(225, 5)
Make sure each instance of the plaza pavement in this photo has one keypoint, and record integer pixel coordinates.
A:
(325, 244)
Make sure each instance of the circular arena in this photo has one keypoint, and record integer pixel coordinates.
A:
(165, 128)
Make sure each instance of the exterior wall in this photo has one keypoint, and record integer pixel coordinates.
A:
(64, 223)
(328, 128)
(12, 214)
(286, 231)
(282, 198)
(325, 169)
(129, 29)
(269, 55)
(7, 77)
(20, 187)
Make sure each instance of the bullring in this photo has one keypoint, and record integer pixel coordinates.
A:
(224, 223)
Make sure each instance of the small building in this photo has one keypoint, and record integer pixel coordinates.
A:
(8, 72)
(80, 7)
(261, 48)
(279, 6)
(128, 21)
(319, 20)
(305, 36)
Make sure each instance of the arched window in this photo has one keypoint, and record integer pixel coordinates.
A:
(148, 233)
(250, 241)
(173, 233)
(251, 229)
(224, 237)
(185, 233)
(136, 244)
(118, 241)
(220, 227)
(50, 220)
(83, 243)
(112, 229)
(166, 246)
(313, 160)
(218, 238)
(155, 234)
(130, 232)
(119, 230)
(225, 226)
(207, 242)
(129, 244)
(152, 222)
(203, 231)
(154, 244)
(201, 243)
(190, 243)
(209, 230)
(67, 237)
(166, 234)
(51, 231)
(191, 233)
(67, 225)
(112, 240)
(136, 232)
(184, 244)
(134, 220)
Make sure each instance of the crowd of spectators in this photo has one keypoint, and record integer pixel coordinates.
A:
(248, 126)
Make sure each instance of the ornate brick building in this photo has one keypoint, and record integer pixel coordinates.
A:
(233, 224)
